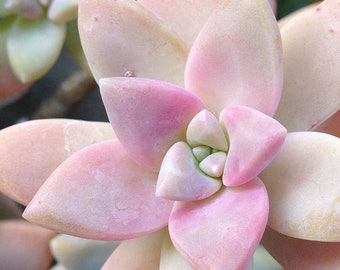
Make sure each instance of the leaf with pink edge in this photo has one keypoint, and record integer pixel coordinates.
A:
(237, 58)
(303, 187)
(254, 138)
(311, 95)
(223, 231)
(31, 151)
(148, 116)
(140, 44)
(100, 193)
(294, 253)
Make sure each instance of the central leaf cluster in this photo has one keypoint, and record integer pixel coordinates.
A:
(192, 170)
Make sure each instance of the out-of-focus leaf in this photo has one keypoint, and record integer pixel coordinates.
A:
(24, 8)
(73, 43)
(10, 86)
(63, 10)
(3, 11)
(33, 46)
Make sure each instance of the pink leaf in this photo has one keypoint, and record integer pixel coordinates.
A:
(31, 151)
(100, 193)
(254, 137)
(311, 92)
(24, 245)
(148, 116)
(180, 14)
(237, 58)
(223, 231)
(129, 41)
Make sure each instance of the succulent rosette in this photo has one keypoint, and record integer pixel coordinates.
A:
(197, 166)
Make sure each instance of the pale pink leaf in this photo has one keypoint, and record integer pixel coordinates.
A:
(254, 137)
(24, 246)
(148, 116)
(303, 187)
(311, 92)
(121, 38)
(237, 58)
(186, 17)
(223, 231)
(31, 151)
(100, 193)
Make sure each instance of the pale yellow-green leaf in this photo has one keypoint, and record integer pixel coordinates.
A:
(33, 46)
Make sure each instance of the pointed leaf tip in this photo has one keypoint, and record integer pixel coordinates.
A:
(237, 58)
(100, 193)
(148, 116)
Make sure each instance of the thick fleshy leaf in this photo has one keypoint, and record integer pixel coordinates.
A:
(311, 90)
(303, 187)
(130, 41)
(63, 10)
(31, 151)
(223, 231)
(254, 137)
(294, 253)
(24, 246)
(213, 164)
(81, 254)
(237, 58)
(137, 254)
(183, 13)
(100, 193)
(33, 47)
(180, 178)
(204, 129)
(148, 116)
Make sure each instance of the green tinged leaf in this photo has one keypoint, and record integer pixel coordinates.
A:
(33, 46)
